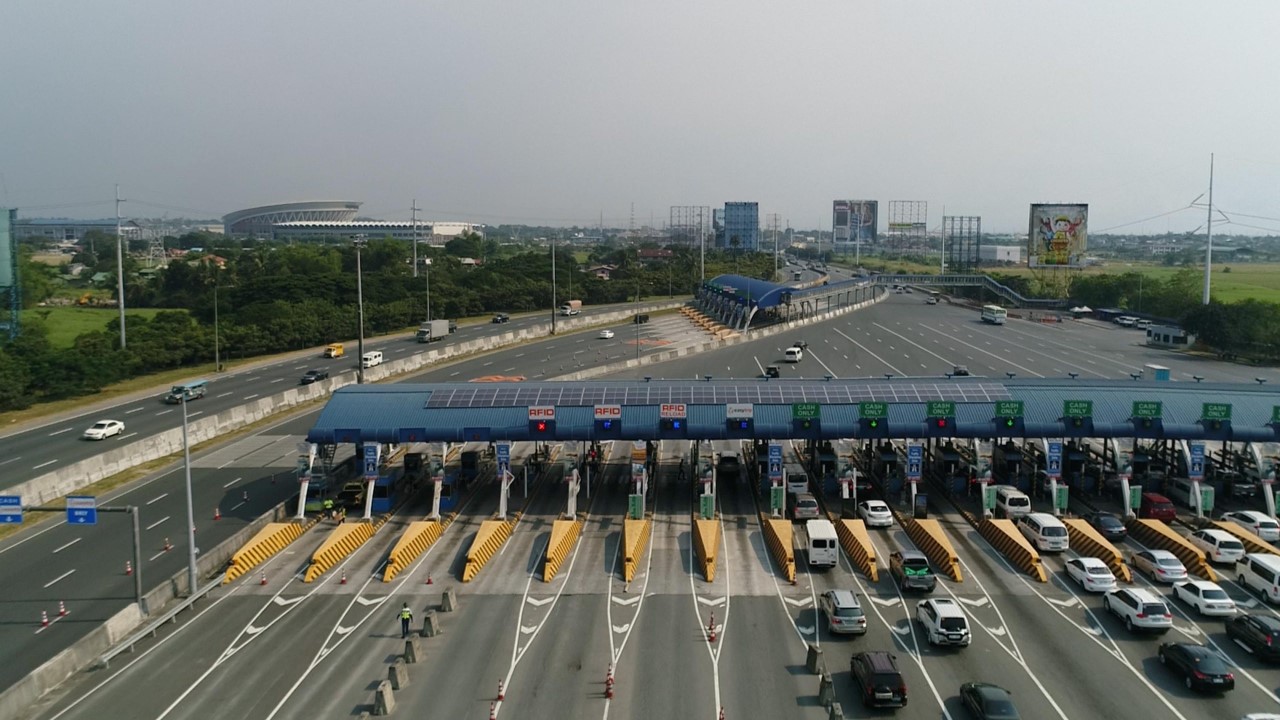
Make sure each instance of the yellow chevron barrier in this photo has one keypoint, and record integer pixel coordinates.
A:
(270, 540)
(777, 534)
(1252, 543)
(928, 536)
(1087, 541)
(419, 536)
(857, 545)
(635, 535)
(1157, 534)
(706, 542)
(488, 540)
(564, 533)
(344, 540)
(1005, 537)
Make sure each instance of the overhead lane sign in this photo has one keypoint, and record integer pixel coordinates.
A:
(10, 509)
(82, 510)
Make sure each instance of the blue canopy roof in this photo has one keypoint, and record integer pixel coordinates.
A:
(760, 293)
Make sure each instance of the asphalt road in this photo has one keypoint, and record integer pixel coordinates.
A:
(49, 445)
(551, 644)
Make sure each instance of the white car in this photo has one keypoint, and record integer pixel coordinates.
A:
(1206, 597)
(1139, 609)
(1092, 574)
(1220, 545)
(606, 334)
(1258, 523)
(944, 622)
(875, 513)
(1159, 565)
(104, 429)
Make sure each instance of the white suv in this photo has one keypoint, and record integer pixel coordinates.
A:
(1258, 523)
(1220, 545)
(944, 622)
(1139, 609)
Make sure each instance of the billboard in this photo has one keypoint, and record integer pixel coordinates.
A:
(1058, 235)
(854, 221)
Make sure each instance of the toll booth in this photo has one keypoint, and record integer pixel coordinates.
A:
(949, 466)
(827, 467)
(1007, 465)
(449, 489)
(468, 467)
(389, 491)
(885, 466)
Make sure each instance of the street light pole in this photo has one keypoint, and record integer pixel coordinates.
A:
(120, 268)
(427, 271)
(553, 287)
(191, 520)
(359, 243)
(217, 358)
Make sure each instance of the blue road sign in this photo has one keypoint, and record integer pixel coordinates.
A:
(1055, 460)
(775, 462)
(10, 509)
(1196, 471)
(82, 510)
(504, 457)
(371, 462)
(915, 458)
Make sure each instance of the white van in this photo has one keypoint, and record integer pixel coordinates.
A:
(793, 354)
(1046, 532)
(1181, 491)
(1011, 502)
(824, 546)
(371, 359)
(1260, 572)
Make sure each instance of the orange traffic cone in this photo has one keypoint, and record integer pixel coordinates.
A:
(608, 683)
(217, 513)
(429, 580)
(44, 619)
(128, 567)
(167, 545)
(711, 629)
(502, 694)
(264, 578)
(493, 712)
(344, 578)
(62, 609)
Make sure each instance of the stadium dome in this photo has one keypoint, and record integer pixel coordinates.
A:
(258, 220)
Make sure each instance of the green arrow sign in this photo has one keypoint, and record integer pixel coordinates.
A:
(1009, 408)
(1275, 414)
(1147, 408)
(1077, 408)
(707, 504)
(1216, 411)
(777, 497)
(940, 409)
(635, 506)
(805, 411)
(874, 410)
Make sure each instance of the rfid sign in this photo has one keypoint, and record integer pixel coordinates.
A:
(775, 463)
(915, 459)
(1054, 460)
(1196, 471)
(503, 451)
(370, 462)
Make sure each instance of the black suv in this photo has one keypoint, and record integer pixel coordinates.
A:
(910, 569)
(500, 318)
(878, 679)
(1260, 633)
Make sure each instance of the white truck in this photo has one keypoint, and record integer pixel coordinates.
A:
(573, 307)
(433, 330)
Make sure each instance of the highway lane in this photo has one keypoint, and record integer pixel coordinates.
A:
(86, 565)
(903, 336)
(47, 445)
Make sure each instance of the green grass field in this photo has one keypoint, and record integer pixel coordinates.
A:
(65, 323)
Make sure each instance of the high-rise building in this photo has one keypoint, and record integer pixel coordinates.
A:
(742, 225)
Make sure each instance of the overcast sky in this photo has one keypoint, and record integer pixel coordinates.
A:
(556, 112)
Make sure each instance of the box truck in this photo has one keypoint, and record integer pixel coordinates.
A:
(573, 307)
(433, 330)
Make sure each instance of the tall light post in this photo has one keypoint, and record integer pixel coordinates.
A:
(217, 358)
(427, 271)
(120, 268)
(191, 519)
(359, 243)
(553, 287)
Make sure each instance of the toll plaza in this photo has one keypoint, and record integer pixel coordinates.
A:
(739, 301)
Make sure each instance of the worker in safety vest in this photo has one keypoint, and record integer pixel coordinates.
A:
(405, 616)
(328, 507)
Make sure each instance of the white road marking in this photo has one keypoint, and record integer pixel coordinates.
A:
(64, 547)
(222, 395)
(137, 409)
(59, 432)
(161, 520)
(233, 482)
(198, 412)
(47, 462)
(864, 349)
(278, 380)
(164, 412)
(60, 577)
(250, 397)
(157, 499)
(126, 437)
(6, 462)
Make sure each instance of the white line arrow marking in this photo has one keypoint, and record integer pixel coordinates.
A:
(629, 601)
(539, 602)
(1189, 632)
(901, 630)
(289, 601)
(344, 630)
(711, 601)
(251, 630)
(622, 628)
(974, 602)
(372, 601)
(886, 602)
(526, 629)
(1069, 602)
(997, 631)
(799, 602)
(1250, 603)
(805, 629)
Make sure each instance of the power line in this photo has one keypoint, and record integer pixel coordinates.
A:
(1146, 219)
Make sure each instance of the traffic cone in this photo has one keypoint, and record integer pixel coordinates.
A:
(128, 567)
(62, 609)
(344, 578)
(493, 712)
(167, 545)
(217, 513)
(721, 712)
(711, 629)
(245, 496)
(502, 693)
(264, 578)
(608, 683)
(44, 619)
(429, 580)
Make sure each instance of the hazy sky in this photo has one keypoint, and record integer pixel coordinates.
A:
(555, 112)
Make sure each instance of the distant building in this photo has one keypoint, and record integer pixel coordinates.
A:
(258, 221)
(64, 230)
(717, 226)
(990, 254)
(1168, 336)
(742, 225)
(428, 233)
(1164, 248)
(650, 254)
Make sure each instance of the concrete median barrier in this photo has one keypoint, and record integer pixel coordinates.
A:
(342, 541)
(928, 536)
(1158, 534)
(270, 540)
(635, 536)
(564, 535)
(1252, 543)
(777, 535)
(487, 542)
(419, 536)
(706, 543)
(1005, 537)
(857, 545)
(1087, 541)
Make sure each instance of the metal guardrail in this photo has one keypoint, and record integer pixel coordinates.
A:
(150, 630)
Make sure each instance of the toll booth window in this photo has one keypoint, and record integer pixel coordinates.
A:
(381, 491)
(446, 490)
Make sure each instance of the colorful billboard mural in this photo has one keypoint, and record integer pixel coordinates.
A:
(1058, 235)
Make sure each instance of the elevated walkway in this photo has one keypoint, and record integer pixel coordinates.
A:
(984, 281)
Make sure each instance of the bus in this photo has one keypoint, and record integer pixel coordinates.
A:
(994, 314)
